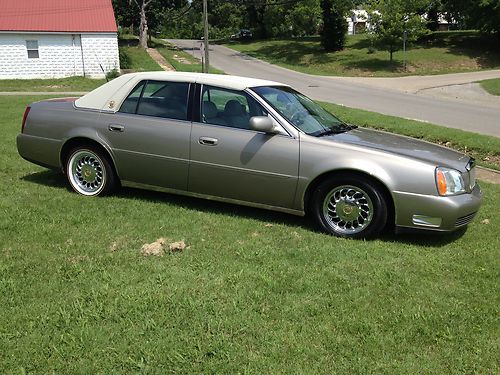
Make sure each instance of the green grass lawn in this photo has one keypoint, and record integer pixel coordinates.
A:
(255, 291)
(139, 60)
(133, 58)
(57, 84)
(439, 54)
(492, 86)
(182, 61)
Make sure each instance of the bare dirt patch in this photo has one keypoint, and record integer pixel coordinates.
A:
(182, 60)
(155, 248)
(113, 247)
(159, 247)
(177, 246)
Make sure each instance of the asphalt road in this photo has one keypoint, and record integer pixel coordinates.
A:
(473, 117)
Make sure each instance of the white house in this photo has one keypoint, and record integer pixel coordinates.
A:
(57, 38)
(358, 21)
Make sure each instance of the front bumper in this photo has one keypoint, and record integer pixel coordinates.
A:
(436, 212)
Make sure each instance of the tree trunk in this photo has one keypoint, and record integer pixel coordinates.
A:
(143, 27)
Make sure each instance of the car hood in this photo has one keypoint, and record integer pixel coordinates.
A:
(404, 146)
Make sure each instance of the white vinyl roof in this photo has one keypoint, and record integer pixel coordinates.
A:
(110, 95)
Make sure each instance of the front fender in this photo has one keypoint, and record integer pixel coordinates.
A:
(319, 159)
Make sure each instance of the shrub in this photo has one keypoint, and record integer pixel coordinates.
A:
(112, 74)
(125, 62)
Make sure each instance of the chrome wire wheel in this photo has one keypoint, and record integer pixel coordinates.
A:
(86, 172)
(348, 209)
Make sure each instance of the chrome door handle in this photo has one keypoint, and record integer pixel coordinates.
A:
(116, 128)
(206, 141)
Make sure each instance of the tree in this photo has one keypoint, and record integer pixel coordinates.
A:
(304, 18)
(391, 19)
(151, 14)
(334, 24)
(435, 8)
(143, 25)
(483, 15)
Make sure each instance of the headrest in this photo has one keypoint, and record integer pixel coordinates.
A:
(233, 108)
(173, 91)
(209, 109)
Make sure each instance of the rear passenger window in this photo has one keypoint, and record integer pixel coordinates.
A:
(130, 104)
(229, 107)
(159, 99)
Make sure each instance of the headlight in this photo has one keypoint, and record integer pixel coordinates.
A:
(449, 181)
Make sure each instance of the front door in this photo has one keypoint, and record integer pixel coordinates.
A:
(230, 160)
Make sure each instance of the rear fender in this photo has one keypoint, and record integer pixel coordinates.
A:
(82, 135)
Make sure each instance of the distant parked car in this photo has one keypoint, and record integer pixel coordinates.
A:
(252, 142)
(242, 34)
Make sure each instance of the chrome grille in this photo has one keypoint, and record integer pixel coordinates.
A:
(464, 220)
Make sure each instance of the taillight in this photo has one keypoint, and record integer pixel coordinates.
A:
(26, 111)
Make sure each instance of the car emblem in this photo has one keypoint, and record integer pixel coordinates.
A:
(348, 210)
(111, 104)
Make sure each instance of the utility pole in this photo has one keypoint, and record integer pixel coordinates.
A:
(405, 36)
(205, 36)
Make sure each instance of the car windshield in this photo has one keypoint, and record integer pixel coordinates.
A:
(301, 111)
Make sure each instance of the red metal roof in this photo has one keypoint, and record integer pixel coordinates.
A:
(57, 15)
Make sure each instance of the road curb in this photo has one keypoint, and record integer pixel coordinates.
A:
(488, 175)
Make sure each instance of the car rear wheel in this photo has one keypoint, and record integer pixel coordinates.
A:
(89, 171)
(351, 207)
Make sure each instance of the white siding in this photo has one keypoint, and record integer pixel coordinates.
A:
(100, 49)
(60, 55)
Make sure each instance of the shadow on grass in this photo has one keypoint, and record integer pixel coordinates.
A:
(52, 178)
(376, 65)
(424, 238)
(484, 48)
(48, 177)
(293, 54)
(420, 238)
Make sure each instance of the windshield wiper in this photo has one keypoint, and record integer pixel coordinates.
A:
(348, 127)
(341, 129)
(328, 132)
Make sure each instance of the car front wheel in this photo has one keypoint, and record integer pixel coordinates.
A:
(89, 172)
(351, 207)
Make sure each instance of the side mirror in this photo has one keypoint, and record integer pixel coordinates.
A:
(262, 124)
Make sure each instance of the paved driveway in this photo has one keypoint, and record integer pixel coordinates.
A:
(475, 117)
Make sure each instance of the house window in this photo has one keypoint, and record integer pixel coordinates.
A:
(32, 47)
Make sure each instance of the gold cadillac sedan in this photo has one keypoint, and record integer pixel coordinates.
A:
(251, 142)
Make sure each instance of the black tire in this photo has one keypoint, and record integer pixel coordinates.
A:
(349, 206)
(89, 171)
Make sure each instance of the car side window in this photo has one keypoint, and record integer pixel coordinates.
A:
(228, 107)
(159, 99)
(130, 104)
